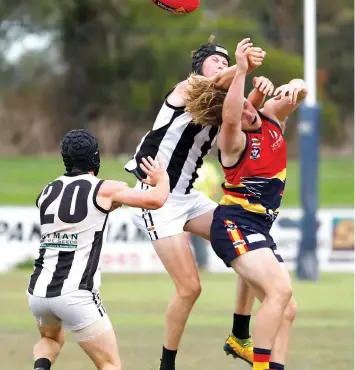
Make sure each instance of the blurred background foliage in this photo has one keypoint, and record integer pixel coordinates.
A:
(107, 64)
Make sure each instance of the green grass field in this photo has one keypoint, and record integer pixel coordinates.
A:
(322, 337)
(24, 177)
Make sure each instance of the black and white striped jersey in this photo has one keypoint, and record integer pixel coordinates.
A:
(72, 234)
(179, 143)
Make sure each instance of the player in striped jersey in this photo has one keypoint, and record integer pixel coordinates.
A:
(182, 145)
(63, 290)
(254, 164)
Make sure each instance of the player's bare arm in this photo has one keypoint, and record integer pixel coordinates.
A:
(262, 87)
(231, 139)
(287, 98)
(223, 79)
(114, 194)
(255, 59)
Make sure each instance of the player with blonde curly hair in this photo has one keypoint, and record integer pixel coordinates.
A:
(254, 164)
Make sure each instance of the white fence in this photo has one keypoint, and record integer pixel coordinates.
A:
(128, 250)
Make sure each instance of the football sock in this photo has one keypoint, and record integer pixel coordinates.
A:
(261, 359)
(42, 364)
(241, 326)
(168, 359)
(276, 366)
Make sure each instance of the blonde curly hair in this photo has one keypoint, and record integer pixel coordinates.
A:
(204, 101)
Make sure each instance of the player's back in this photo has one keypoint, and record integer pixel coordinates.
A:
(72, 233)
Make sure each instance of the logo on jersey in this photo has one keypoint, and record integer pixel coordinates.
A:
(59, 240)
(273, 134)
(277, 137)
(255, 148)
(255, 153)
(255, 142)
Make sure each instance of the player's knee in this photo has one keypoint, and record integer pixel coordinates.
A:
(291, 310)
(53, 334)
(281, 293)
(190, 290)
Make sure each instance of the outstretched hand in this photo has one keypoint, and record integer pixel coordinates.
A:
(155, 171)
(264, 85)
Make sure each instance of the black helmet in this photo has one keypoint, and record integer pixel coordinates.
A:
(80, 150)
(206, 50)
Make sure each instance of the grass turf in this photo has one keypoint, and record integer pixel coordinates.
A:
(24, 177)
(322, 336)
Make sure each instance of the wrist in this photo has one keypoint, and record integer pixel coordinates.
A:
(241, 71)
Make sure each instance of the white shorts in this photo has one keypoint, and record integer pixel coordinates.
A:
(171, 218)
(75, 310)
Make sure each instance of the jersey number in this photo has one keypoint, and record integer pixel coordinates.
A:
(68, 211)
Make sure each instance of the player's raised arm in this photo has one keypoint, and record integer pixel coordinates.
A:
(155, 197)
(225, 77)
(231, 139)
(287, 98)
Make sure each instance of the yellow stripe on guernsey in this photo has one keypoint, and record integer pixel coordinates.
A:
(231, 200)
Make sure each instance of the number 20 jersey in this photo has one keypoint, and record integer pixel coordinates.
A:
(72, 234)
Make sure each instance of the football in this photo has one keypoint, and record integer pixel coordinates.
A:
(178, 6)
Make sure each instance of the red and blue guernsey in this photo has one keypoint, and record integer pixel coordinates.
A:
(254, 186)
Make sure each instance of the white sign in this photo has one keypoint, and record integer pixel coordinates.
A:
(129, 250)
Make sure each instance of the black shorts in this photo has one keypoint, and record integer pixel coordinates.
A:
(232, 236)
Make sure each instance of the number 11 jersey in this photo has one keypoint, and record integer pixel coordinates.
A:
(72, 234)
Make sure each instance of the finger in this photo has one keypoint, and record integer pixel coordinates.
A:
(152, 162)
(284, 93)
(295, 96)
(290, 94)
(267, 89)
(277, 97)
(271, 89)
(263, 86)
(256, 49)
(244, 41)
(259, 82)
(246, 48)
(278, 90)
(256, 54)
(145, 169)
(147, 164)
(146, 181)
(256, 60)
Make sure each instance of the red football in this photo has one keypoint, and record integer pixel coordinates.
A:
(178, 6)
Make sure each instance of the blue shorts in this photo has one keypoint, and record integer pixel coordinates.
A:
(234, 235)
